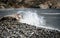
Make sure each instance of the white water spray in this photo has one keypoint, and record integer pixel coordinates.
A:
(31, 17)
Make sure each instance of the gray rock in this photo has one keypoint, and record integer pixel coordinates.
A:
(15, 29)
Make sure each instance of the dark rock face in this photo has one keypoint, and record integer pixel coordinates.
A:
(43, 4)
(15, 29)
(8, 18)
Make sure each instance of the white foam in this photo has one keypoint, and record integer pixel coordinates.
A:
(31, 17)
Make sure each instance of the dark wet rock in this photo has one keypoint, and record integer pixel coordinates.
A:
(15, 29)
(8, 18)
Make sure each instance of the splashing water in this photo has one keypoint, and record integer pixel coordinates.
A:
(32, 18)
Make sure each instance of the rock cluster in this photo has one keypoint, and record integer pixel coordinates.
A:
(13, 29)
(43, 4)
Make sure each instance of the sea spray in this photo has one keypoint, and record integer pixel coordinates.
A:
(32, 18)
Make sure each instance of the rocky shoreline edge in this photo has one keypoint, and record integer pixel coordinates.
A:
(11, 28)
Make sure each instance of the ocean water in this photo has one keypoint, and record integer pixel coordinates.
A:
(48, 21)
(42, 18)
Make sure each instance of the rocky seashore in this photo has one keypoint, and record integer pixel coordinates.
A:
(11, 28)
(43, 4)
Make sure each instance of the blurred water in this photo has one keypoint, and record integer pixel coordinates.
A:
(49, 19)
(31, 18)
